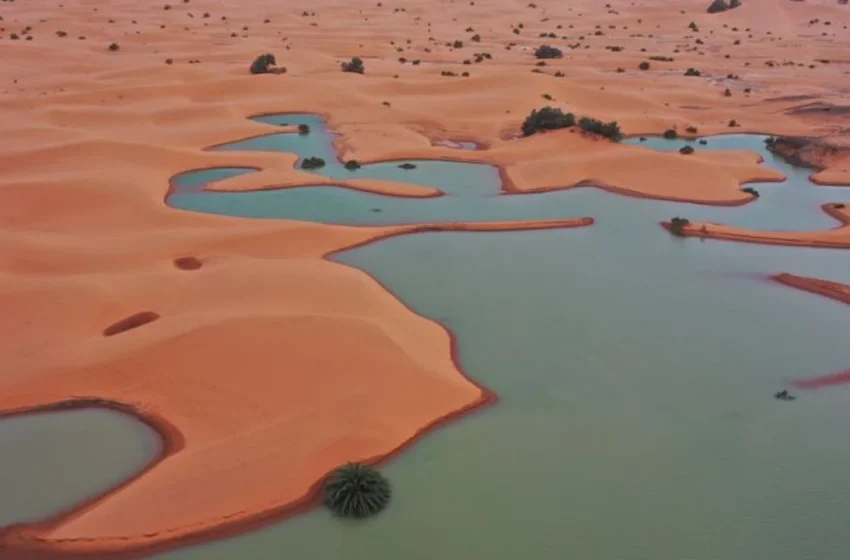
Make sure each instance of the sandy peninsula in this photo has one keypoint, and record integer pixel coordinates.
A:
(263, 364)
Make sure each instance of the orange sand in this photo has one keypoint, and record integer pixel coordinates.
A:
(838, 238)
(271, 363)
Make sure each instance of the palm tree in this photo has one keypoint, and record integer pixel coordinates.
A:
(357, 490)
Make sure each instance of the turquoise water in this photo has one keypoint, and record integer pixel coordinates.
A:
(636, 371)
(54, 460)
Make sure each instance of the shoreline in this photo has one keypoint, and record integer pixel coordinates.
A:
(743, 236)
(23, 541)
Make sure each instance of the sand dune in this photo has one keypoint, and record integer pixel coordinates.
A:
(270, 363)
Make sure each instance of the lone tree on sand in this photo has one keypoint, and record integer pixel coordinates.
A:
(357, 490)
(545, 51)
(547, 118)
(356, 65)
(262, 64)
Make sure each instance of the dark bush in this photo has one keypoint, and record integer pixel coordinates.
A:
(691, 130)
(671, 134)
(644, 65)
(475, 38)
(677, 225)
(355, 65)
(839, 205)
(547, 118)
(303, 129)
(717, 6)
(262, 63)
(545, 51)
(114, 47)
(312, 163)
(692, 72)
(357, 490)
(407, 166)
(609, 130)
(352, 164)
(686, 150)
(458, 44)
(751, 191)
(733, 124)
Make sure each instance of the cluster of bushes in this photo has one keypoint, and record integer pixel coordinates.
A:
(355, 65)
(551, 118)
(610, 130)
(545, 51)
(547, 118)
(692, 72)
(312, 163)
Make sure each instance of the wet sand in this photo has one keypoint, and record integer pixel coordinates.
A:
(269, 363)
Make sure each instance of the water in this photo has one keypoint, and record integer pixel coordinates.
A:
(636, 371)
(54, 460)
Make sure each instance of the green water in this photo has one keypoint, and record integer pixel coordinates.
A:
(636, 372)
(54, 460)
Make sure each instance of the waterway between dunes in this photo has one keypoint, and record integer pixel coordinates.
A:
(636, 372)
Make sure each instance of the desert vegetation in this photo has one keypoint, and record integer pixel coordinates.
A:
(312, 163)
(545, 51)
(357, 490)
(355, 65)
(263, 63)
(677, 226)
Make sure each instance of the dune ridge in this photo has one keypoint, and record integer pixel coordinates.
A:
(242, 344)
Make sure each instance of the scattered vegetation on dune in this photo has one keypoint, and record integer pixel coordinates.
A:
(263, 64)
(545, 51)
(357, 490)
(547, 118)
(610, 130)
(552, 118)
(355, 65)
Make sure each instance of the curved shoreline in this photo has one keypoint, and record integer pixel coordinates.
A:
(24, 541)
(702, 230)
(826, 288)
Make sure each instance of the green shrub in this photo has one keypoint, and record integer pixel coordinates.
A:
(262, 63)
(352, 164)
(545, 51)
(355, 65)
(609, 130)
(357, 490)
(677, 225)
(547, 118)
(312, 163)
